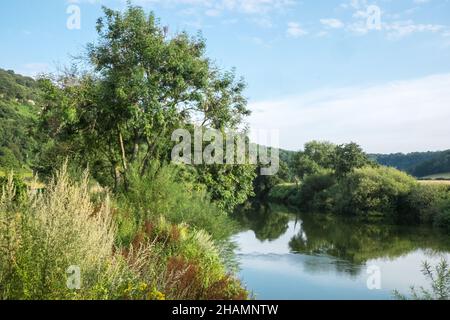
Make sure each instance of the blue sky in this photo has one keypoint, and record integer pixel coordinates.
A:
(316, 69)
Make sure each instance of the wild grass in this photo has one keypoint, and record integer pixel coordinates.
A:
(439, 279)
(47, 232)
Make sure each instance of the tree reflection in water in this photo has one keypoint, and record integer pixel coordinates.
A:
(351, 241)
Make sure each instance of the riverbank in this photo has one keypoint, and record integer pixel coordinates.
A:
(370, 191)
(67, 243)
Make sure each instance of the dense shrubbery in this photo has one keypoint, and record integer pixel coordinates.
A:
(369, 192)
(169, 192)
(372, 190)
(366, 191)
(41, 237)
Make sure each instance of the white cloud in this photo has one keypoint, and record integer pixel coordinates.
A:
(332, 23)
(294, 30)
(400, 29)
(401, 116)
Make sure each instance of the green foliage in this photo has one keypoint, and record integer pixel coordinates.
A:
(14, 86)
(422, 203)
(228, 185)
(61, 227)
(372, 190)
(442, 218)
(316, 156)
(283, 193)
(403, 162)
(369, 192)
(40, 239)
(439, 278)
(145, 87)
(439, 164)
(348, 157)
(165, 191)
(17, 143)
(314, 193)
(341, 179)
(419, 164)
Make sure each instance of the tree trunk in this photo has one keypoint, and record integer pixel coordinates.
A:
(124, 158)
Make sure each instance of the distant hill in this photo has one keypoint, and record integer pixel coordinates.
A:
(419, 164)
(17, 87)
(18, 113)
(438, 165)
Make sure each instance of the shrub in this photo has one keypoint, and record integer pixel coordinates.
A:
(314, 193)
(372, 190)
(442, 218)
(283, 192)
(160, 193)
(422, 203)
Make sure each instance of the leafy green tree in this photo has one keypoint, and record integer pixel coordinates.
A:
(347, 158)
(315, 157)
(144, 85)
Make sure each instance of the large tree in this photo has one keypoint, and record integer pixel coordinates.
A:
(141, 86)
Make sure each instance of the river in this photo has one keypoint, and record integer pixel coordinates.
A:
(286, 255)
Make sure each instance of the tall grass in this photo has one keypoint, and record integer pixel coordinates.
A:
(46, 233)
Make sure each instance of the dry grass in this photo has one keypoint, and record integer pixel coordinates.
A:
(50, 231)
(435, 182)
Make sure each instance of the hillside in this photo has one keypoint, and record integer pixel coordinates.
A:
(18, 114)
(419, 164)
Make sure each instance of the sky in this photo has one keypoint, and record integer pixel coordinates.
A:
(372, 72)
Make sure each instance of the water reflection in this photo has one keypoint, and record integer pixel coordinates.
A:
(344, 238)
(288, 255)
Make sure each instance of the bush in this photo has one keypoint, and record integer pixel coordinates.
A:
(314, 193)
(283, 192)
(422, 203)
(372, 190)
(442, 218)
(160, 192)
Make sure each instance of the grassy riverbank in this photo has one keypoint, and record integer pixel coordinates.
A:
(342, 180)
(120, 251)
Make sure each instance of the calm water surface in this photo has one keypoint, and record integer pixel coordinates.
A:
(285, 255)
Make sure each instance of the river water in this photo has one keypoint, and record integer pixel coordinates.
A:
(287, 255)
